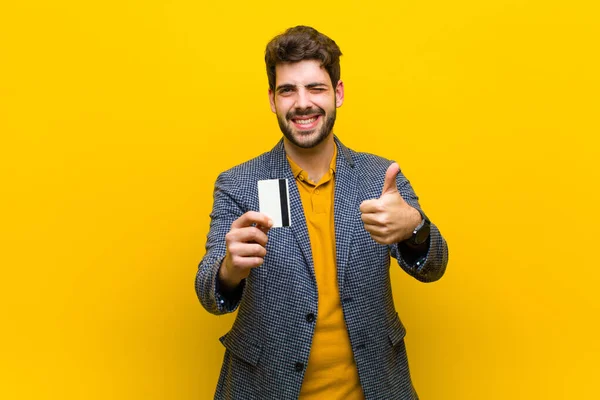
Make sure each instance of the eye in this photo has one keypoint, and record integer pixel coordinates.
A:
(285, 91)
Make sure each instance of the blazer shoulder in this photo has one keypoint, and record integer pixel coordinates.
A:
(369, 163)
(253, 168)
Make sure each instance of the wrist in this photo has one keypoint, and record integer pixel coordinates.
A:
(227, 280)
(414, 218)
(420, 232)
(418, 219)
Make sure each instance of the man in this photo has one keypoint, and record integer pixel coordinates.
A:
(316, 317)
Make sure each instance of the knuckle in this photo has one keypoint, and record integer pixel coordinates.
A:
(230, 241)
(257, 248)
(262, 251)
(264, 239)
(257, 234)
(253, 250)
(235, 260)
(232, 248)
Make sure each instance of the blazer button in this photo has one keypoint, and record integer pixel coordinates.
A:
(299, 366)
(310, 317)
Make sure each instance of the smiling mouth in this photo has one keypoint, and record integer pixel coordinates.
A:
(308, 122)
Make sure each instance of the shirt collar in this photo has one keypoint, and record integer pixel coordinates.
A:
(297, 170)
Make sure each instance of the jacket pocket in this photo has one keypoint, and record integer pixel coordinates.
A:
(246, 350)
(396, 331)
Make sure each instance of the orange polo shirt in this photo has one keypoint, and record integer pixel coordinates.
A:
(331, 372)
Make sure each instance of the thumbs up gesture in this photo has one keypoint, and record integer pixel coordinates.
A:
(389, 219)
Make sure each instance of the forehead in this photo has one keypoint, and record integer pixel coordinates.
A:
(301, 73)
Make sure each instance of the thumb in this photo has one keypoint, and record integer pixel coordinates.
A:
(389, 184)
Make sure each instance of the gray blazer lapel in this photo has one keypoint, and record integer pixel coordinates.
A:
(280, 169)
(345, 208)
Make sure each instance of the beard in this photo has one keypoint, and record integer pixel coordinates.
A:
(288, 129)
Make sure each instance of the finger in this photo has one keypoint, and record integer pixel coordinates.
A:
(377, 230)
(371, 206)
(377, 234)
(252, 217)
(247, 250)
(249, 234)
(247, 262)
(389, 183)
(372, 229)
(380, 239)
(372, 219)
(264, 229)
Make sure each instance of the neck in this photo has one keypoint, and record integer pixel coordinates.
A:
(315, 161)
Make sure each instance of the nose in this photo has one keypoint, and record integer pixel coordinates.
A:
(303, 100)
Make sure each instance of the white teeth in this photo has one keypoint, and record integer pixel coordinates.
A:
(306, 121)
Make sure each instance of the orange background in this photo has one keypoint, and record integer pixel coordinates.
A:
(117, 116)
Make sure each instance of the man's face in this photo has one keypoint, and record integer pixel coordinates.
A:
(305, 102)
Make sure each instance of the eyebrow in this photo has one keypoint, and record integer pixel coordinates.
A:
(315, 84)
(311, 85)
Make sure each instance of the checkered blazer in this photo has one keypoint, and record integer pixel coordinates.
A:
(268, 346)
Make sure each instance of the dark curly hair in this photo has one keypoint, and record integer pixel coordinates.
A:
(303, 43)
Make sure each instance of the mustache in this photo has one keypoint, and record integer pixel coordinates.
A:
(301, 113)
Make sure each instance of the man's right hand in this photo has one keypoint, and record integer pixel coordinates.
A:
(246, 243)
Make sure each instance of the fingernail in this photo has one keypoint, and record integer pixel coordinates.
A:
(270, 223)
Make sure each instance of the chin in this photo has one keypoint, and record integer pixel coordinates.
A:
(308, 139)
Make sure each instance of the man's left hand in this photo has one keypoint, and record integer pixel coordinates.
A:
(389, 219)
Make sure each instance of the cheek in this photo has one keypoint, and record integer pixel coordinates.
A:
(328, 106)
(281, 112)
(283, 106)
(327, 103)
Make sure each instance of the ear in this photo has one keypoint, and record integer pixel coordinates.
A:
(339, 94)
(272, 100)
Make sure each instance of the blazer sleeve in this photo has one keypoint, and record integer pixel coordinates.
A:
(430, 266)
(227, 207)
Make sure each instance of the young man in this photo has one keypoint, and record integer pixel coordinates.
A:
(316, 316)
